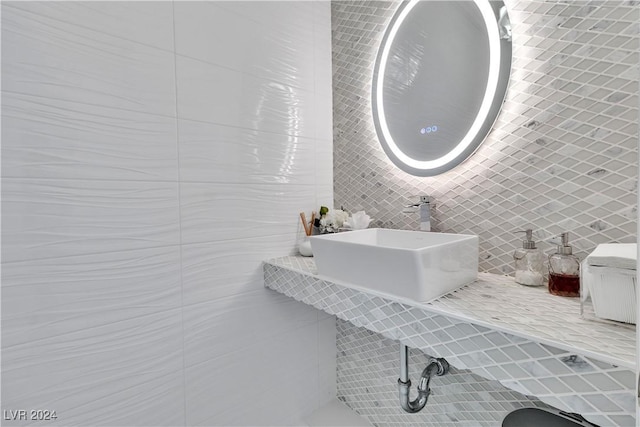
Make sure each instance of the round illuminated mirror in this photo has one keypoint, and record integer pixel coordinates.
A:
(439, 81)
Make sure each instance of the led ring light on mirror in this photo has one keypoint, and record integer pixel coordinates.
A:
(439, 81)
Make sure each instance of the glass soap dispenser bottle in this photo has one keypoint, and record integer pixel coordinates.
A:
(564, 270)
(529, 260)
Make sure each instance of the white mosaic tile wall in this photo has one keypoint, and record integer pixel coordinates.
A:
(583, 382)
(561, 157)
(367, 382)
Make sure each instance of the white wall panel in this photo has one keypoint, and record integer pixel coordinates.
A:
(215, 94)
(234, 323)
(277, 17)
(323, 104)
(220, 269)
(53, 218)
(213, 212)
(142, 188)
(277, 382)
(250, 159)
(126, 372)
(50, 138)
(47, 298)
(229, 154)
(324, 179)
(323, 55)
(277, 53)
(71, 62)
(143, 22)
(327, 355)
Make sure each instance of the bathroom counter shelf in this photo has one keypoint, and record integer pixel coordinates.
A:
(499, 303)
(529, 340)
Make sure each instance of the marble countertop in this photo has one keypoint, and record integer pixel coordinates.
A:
(497, 302)
(530, 341)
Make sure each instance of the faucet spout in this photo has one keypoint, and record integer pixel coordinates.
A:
(424, 209)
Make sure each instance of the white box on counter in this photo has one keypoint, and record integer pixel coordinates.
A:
(608, 276)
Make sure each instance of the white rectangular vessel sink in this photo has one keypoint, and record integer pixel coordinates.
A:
(415, 265)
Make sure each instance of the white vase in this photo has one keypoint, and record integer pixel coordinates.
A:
(304, 246)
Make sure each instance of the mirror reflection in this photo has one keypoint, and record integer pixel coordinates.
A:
(440, 78)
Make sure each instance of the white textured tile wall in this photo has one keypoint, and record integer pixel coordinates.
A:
(153, 154)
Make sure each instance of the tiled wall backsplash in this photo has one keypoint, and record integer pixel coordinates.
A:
(561, 156)
(368, 368)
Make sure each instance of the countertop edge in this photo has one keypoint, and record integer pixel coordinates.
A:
(429, 307)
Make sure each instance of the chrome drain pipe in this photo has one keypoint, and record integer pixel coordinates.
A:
(437, 366)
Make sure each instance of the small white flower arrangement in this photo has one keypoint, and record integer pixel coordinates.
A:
(332, 221)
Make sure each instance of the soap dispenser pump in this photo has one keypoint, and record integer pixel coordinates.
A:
(564, 270)
(529, 262)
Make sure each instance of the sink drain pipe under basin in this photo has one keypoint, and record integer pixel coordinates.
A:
(436, 366)
(523, 417)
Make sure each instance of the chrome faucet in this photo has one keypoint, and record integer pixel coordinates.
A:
(424, 209)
